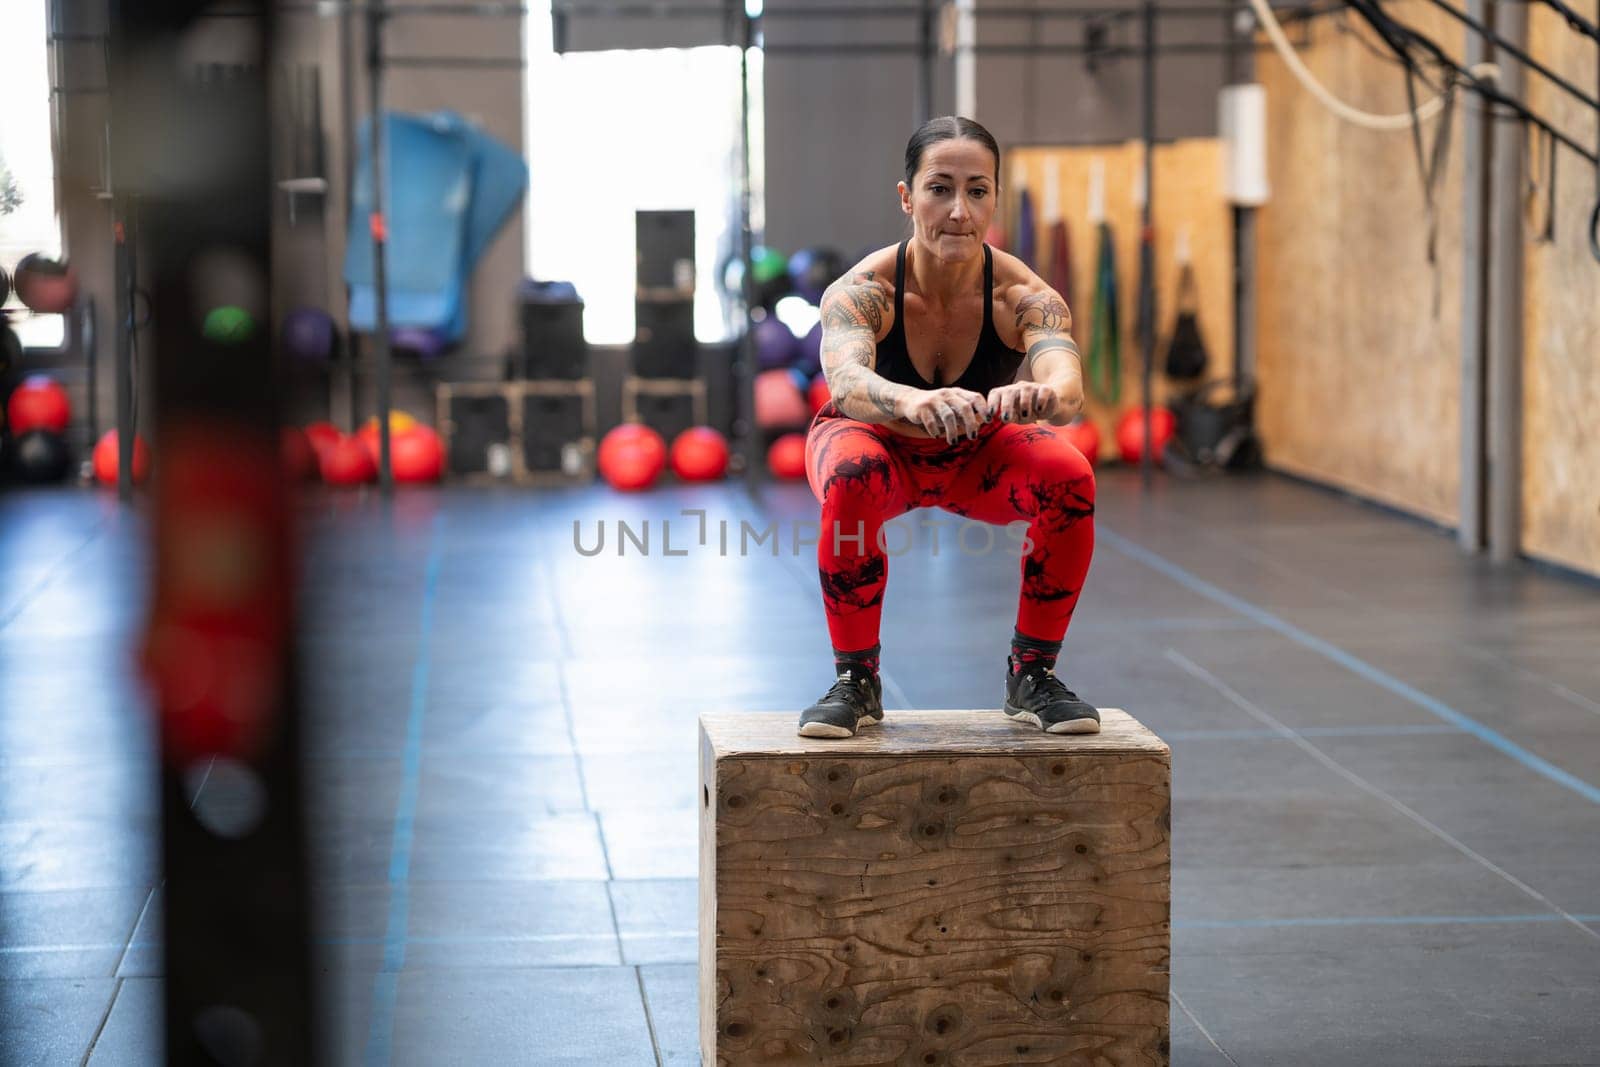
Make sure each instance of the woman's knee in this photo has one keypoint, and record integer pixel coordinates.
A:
(852, 477)
(1062, 482)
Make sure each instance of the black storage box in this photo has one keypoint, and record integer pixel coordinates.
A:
(477, 429)
(664, 344)
(557, 431)
(667, 406)
(665, 251)
(552, 332)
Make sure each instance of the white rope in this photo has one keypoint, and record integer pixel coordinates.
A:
(1366, 119)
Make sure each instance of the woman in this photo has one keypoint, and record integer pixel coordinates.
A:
(940, 354)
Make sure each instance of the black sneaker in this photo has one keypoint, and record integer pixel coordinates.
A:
(1035, 695)
(854, 701)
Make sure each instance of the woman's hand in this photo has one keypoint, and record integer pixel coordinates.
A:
(946, 413)
(1023, 401)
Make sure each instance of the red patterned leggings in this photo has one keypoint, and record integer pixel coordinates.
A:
(865, 475)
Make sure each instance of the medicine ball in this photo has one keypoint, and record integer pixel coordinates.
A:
(5, 286)
(46, 285)
(779, 403)
(699, 454)
(787, 456)
(228, 325)
(310, 334)
(1085, 437)
(418, 456)
(819, 394)
(812, 270)
(810, 357)
(399, 423)
(38, 403)
(40, 457)
(776, 346)
(347, 462)
(631, 457)
(1130, 433)
(108, 459)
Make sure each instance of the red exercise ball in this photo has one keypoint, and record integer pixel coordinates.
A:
(399, 423)
(631, 457)
(417, 456)
(39, 403)
(48, 286)
(787, 456)
(1085, 437)
(107, 459)
(347, 462)
(1130, 433)
(779, 403)
(299, 456)
(322, 435)
(819, 393)
(699, 454)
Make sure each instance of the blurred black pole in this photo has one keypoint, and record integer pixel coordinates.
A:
(192, 135)
(349, 352)
(1147, 266)
(925, 63)
(379, 223)
(745, 380)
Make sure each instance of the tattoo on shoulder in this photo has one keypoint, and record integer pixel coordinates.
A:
(1043, 311)
(855, 305)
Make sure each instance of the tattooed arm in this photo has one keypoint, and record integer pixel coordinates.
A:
(1044, 330)
(856, 314)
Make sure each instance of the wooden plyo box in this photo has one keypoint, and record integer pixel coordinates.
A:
(948, 888)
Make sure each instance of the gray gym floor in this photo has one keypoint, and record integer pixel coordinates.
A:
(1386, 811)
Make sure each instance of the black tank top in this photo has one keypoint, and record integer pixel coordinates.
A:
(994, 363)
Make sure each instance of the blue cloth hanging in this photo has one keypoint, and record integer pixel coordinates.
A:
(450, 189)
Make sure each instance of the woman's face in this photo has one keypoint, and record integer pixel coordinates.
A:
(952, 198)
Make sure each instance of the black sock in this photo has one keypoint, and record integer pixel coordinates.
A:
(866, 659)
(1027, 651)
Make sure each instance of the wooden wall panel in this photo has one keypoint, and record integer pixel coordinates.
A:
(1561, 361)
(1188, 198)
(1358, 366)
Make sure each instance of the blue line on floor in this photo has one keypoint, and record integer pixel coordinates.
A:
(380, 1035)
(1395, 730)
(1354, 664)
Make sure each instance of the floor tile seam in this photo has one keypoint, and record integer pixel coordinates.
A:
(1177, 999)
(52, 573)
(1256, 712)
(94, 1040)
(1353, 664)
(649, 1020)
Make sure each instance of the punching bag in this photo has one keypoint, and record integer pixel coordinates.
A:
(1186, 350)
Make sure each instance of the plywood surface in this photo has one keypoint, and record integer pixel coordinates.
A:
(1188, 201)
(1358, 364)
(1004, 905)
(1561, 345)
(907, 733)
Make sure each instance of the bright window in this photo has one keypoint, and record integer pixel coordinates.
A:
(611, 133)
(28, 221)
